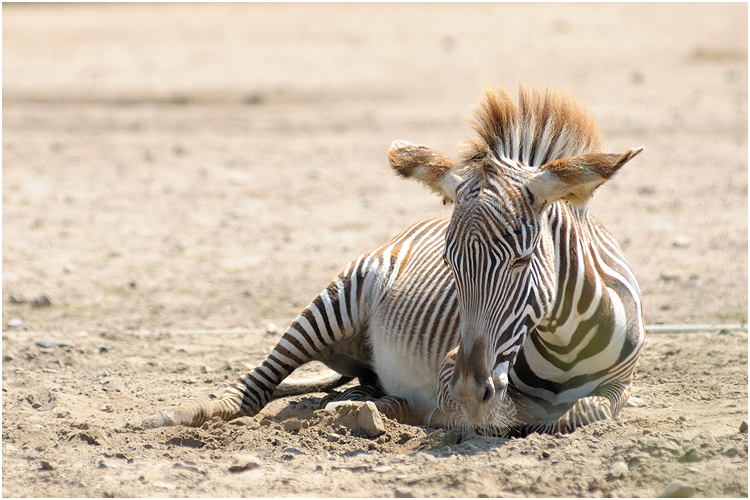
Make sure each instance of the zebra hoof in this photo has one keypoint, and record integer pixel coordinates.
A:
(158, 419)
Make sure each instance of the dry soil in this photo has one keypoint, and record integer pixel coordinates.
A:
(179, 181)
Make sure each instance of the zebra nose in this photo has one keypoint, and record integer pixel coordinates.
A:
(489, 392)
(473, 392)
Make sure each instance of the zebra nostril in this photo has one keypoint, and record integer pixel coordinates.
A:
(489, 393)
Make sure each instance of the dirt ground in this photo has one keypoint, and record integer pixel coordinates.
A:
(179, 181)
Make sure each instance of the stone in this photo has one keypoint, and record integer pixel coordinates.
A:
(618, 469)
(634, 402)
(40, 301)
(681, 241)
(743, 426)
(404, 492)
(678, 489)
(669, 276)
(243, 463)
(292, 425)
(46, 465)
(370, 420)
(16, 299)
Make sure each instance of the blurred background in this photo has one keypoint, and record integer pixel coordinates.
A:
(214, 165)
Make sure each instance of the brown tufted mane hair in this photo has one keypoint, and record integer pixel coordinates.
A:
(541, 127)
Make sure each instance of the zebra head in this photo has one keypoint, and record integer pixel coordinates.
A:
(498, 243)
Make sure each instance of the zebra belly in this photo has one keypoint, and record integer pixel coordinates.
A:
(405, 374)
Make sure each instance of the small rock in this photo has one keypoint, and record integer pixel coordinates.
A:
(272, 329)
(46, 465)
(370, 420)
(634, 402)
(333, 437)
(743, 426)
(678, 489)
(41, 301)
(292, 425)
(244, 463)
(404, 492)
(16, 299)
(14, 323)
(682, 241)
(669, 275)
(7, 357)
(618, 469)
(293, 451)
(245, 421)
(52, 343)
(691, 455)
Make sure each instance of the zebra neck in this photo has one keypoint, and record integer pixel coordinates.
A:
(581, 298)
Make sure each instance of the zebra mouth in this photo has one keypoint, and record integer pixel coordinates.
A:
(498, 417)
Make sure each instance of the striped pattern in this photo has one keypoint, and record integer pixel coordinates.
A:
(515, 315)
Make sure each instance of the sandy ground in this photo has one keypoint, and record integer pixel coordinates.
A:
(180, 179)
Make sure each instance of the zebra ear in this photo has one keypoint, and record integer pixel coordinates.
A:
(425, 165)
(575, 179)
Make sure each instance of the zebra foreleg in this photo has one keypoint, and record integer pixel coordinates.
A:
(328, 330)
(247, 395)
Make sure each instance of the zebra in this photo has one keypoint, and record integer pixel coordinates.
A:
(516, 314)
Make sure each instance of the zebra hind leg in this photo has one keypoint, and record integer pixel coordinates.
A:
(393, 407)
(605, 405)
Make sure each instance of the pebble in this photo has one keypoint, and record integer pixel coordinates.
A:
(404, 492)
(682, 241)
(40, 301)
(678, 489)
(293, 451)
(46, 465)
(14, 323)
(243, 463)
(634, 402)
(370, 420)
(16, 299)
(618, 469)
(743, 426)
(52, 343)
(669, 275)
(292, 425)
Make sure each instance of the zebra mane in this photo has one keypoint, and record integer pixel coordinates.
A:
(541, 127)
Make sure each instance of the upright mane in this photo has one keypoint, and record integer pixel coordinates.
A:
(541, 127)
